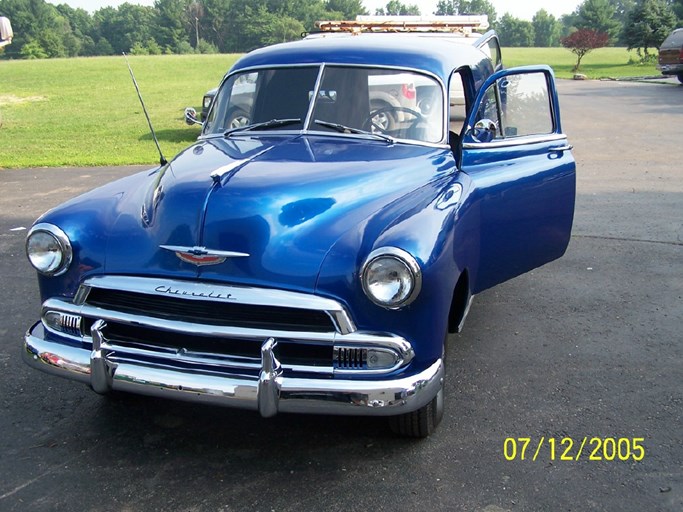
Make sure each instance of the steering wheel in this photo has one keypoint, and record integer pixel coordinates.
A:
(382, 126)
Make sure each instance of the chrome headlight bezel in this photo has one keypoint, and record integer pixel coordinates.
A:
(60, 242)
(406, 263)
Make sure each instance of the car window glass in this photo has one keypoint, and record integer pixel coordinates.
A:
(518, 105)
(488, 108)
(494, 52)
(526, 109)
(399, 103)
(247, 98)
(457, 104)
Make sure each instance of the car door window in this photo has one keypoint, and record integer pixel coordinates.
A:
(515, 106)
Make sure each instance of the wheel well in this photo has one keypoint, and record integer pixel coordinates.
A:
(459, 303)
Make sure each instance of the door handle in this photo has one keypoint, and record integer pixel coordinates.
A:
(566, 147)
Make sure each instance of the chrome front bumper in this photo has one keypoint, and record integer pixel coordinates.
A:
(269, 392)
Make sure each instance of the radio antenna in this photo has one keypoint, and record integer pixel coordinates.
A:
(162, 159)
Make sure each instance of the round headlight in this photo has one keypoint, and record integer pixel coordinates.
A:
(48, 249)
(391, 277)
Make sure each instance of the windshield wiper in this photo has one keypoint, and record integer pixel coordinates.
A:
(273, 123)
(348, 129)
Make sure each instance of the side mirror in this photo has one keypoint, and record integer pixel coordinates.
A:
(191, 116)
(484, 130)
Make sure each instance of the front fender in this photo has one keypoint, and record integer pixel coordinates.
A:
(86, 219)
(423, 224)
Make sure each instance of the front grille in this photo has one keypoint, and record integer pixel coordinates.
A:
(211, 312)
(288, 353)
(351, 358)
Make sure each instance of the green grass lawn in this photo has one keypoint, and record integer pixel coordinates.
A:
(85, 112)
(600, 63)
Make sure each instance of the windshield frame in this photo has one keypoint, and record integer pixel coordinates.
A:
(309, 127)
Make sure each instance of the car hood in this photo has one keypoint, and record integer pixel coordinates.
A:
(277, 206)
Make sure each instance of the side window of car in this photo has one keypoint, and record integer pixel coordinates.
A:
(516, 105)
(456, 103)
(494, 53)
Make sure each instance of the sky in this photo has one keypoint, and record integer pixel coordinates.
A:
(524, 10)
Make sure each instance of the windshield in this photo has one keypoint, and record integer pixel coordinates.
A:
(350, 100)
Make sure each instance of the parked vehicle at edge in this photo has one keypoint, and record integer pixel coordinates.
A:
(6, 32)
(312, 260)
(670, 61)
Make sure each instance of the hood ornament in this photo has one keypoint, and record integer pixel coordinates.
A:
(201, 255)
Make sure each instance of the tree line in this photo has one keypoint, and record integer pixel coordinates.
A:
(43, 30)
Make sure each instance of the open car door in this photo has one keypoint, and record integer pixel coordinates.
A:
(523, 173)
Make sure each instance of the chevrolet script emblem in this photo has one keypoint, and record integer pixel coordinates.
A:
(201, 255)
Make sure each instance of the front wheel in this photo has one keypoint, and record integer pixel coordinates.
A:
(420, 423)
(680, 77)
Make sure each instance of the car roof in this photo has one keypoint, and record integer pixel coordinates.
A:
(674, 40)
(435, 55)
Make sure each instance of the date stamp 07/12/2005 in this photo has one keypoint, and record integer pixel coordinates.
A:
(569, 449)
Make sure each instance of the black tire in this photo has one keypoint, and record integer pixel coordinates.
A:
(680, 77)
(420, 423)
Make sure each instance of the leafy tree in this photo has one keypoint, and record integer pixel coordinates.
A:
(677, 6)
(307, 12)
(216, 22)
(546, 29)
(36, 22)
(206, 47)
(172, 23)
(33, 50)
(584, 41)
(348, 9)
(397, 8)
(184, 47)
(648, 25)
(599, 16)
(252, 28)
(103, 47)
(80, 22)
(139, 49)
(125, 26)
(569, 23)
(515, 32)
(455, 7)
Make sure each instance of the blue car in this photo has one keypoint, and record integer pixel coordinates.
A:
(312, 260)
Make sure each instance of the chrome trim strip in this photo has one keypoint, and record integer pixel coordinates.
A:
(166, 354)
(314, 98)
(222, 292)
(271, 392)
(515, 141)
